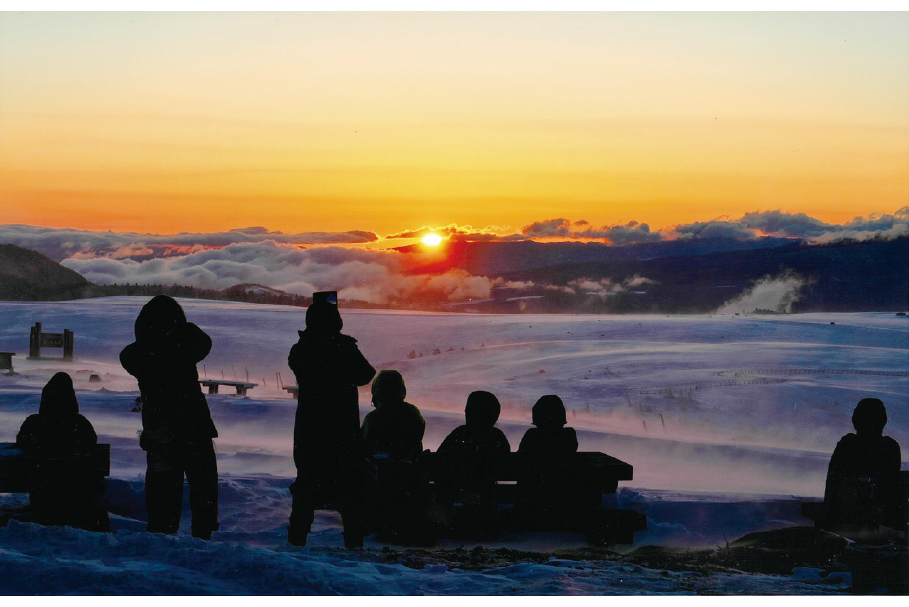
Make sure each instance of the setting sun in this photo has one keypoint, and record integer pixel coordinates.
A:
(432, 240)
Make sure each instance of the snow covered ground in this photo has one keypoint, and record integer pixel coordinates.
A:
(728, 421)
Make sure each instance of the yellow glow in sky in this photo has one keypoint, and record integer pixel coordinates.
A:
(167, 122)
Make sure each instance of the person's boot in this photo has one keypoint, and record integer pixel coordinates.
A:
(297, 536)
(353, 538)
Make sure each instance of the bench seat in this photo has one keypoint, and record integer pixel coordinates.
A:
(17, 468)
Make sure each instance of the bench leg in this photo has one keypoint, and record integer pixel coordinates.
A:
(241, 391)
(213, 389)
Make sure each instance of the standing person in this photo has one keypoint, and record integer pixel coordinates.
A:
(63, 492)
(177, 429)
(328, 450)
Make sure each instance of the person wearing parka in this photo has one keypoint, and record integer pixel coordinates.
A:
(862, 474)
(395, 428)
(328, 451)
(177, 428)
(63, 493)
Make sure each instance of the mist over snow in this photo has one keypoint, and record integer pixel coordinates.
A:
(776, 294)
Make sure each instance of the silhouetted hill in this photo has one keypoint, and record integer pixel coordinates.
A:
(27, 275)
(495, 258)
(845, 277)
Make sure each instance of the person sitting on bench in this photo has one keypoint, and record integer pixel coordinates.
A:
(63, 493)
(468, 477)
(546, 449)
(862, 475)
(393, 438)
(396, 427)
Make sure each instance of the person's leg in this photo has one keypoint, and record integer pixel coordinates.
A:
(201, 467)
(163, 490)
(301, 514)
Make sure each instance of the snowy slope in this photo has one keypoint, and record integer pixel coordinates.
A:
(723, 417)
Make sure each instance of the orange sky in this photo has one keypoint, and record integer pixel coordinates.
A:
(385, 122)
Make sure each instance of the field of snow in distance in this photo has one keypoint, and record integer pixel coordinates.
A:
(716, 413)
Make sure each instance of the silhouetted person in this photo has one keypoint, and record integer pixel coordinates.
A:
(862, 475)
(396, 427)
(550, 439)
(393, 439)
(478, 436)
(469, 456)
(63, 492)
(177, 429)
(546, 450)
(328, 450)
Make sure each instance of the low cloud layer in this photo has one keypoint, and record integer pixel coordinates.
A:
(379, 277)
(60, 244)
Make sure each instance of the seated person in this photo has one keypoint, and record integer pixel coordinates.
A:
(396, 427)
(478, 440)
(393, 438)
(544, 487)
(62, 493)
(550, 439)
(862, 475)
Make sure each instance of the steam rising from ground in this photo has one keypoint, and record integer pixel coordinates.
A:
(776, 294)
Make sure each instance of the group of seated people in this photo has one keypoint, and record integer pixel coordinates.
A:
(860, 488)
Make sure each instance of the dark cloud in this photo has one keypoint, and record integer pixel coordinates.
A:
(632, 232)
(548, 227)
(714, 229)
(778, 223)
(67, 243)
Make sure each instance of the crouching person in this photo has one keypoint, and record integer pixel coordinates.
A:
(393, 442)
(66, 489)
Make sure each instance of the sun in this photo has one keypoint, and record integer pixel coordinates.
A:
(431, 240)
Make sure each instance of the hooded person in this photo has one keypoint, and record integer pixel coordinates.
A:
(478, 437)
(550, 438)
(395, 427)
(62, 493)
(468, 457)
(328, 450)
(545, 484)
(862, 475)
(177, 428)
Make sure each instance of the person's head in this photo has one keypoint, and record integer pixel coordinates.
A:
(549, 412)
(160, 316)
(323, 317)
(387, 388)
(482, 409)
(869, 417)
(58, 398)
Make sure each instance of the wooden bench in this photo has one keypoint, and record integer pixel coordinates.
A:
(6, 361)
(587, 475)
(292, 390)
(213, 384)
(17, 468)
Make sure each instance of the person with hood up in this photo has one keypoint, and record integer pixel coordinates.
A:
(550, 439)
(177, 428)
(478, 437)
(396, 427)
(62, 493)
(546, 448)
(328, 450)
(862, 475)
(468, 456)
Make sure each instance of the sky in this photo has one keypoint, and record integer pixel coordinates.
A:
(390, 122)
